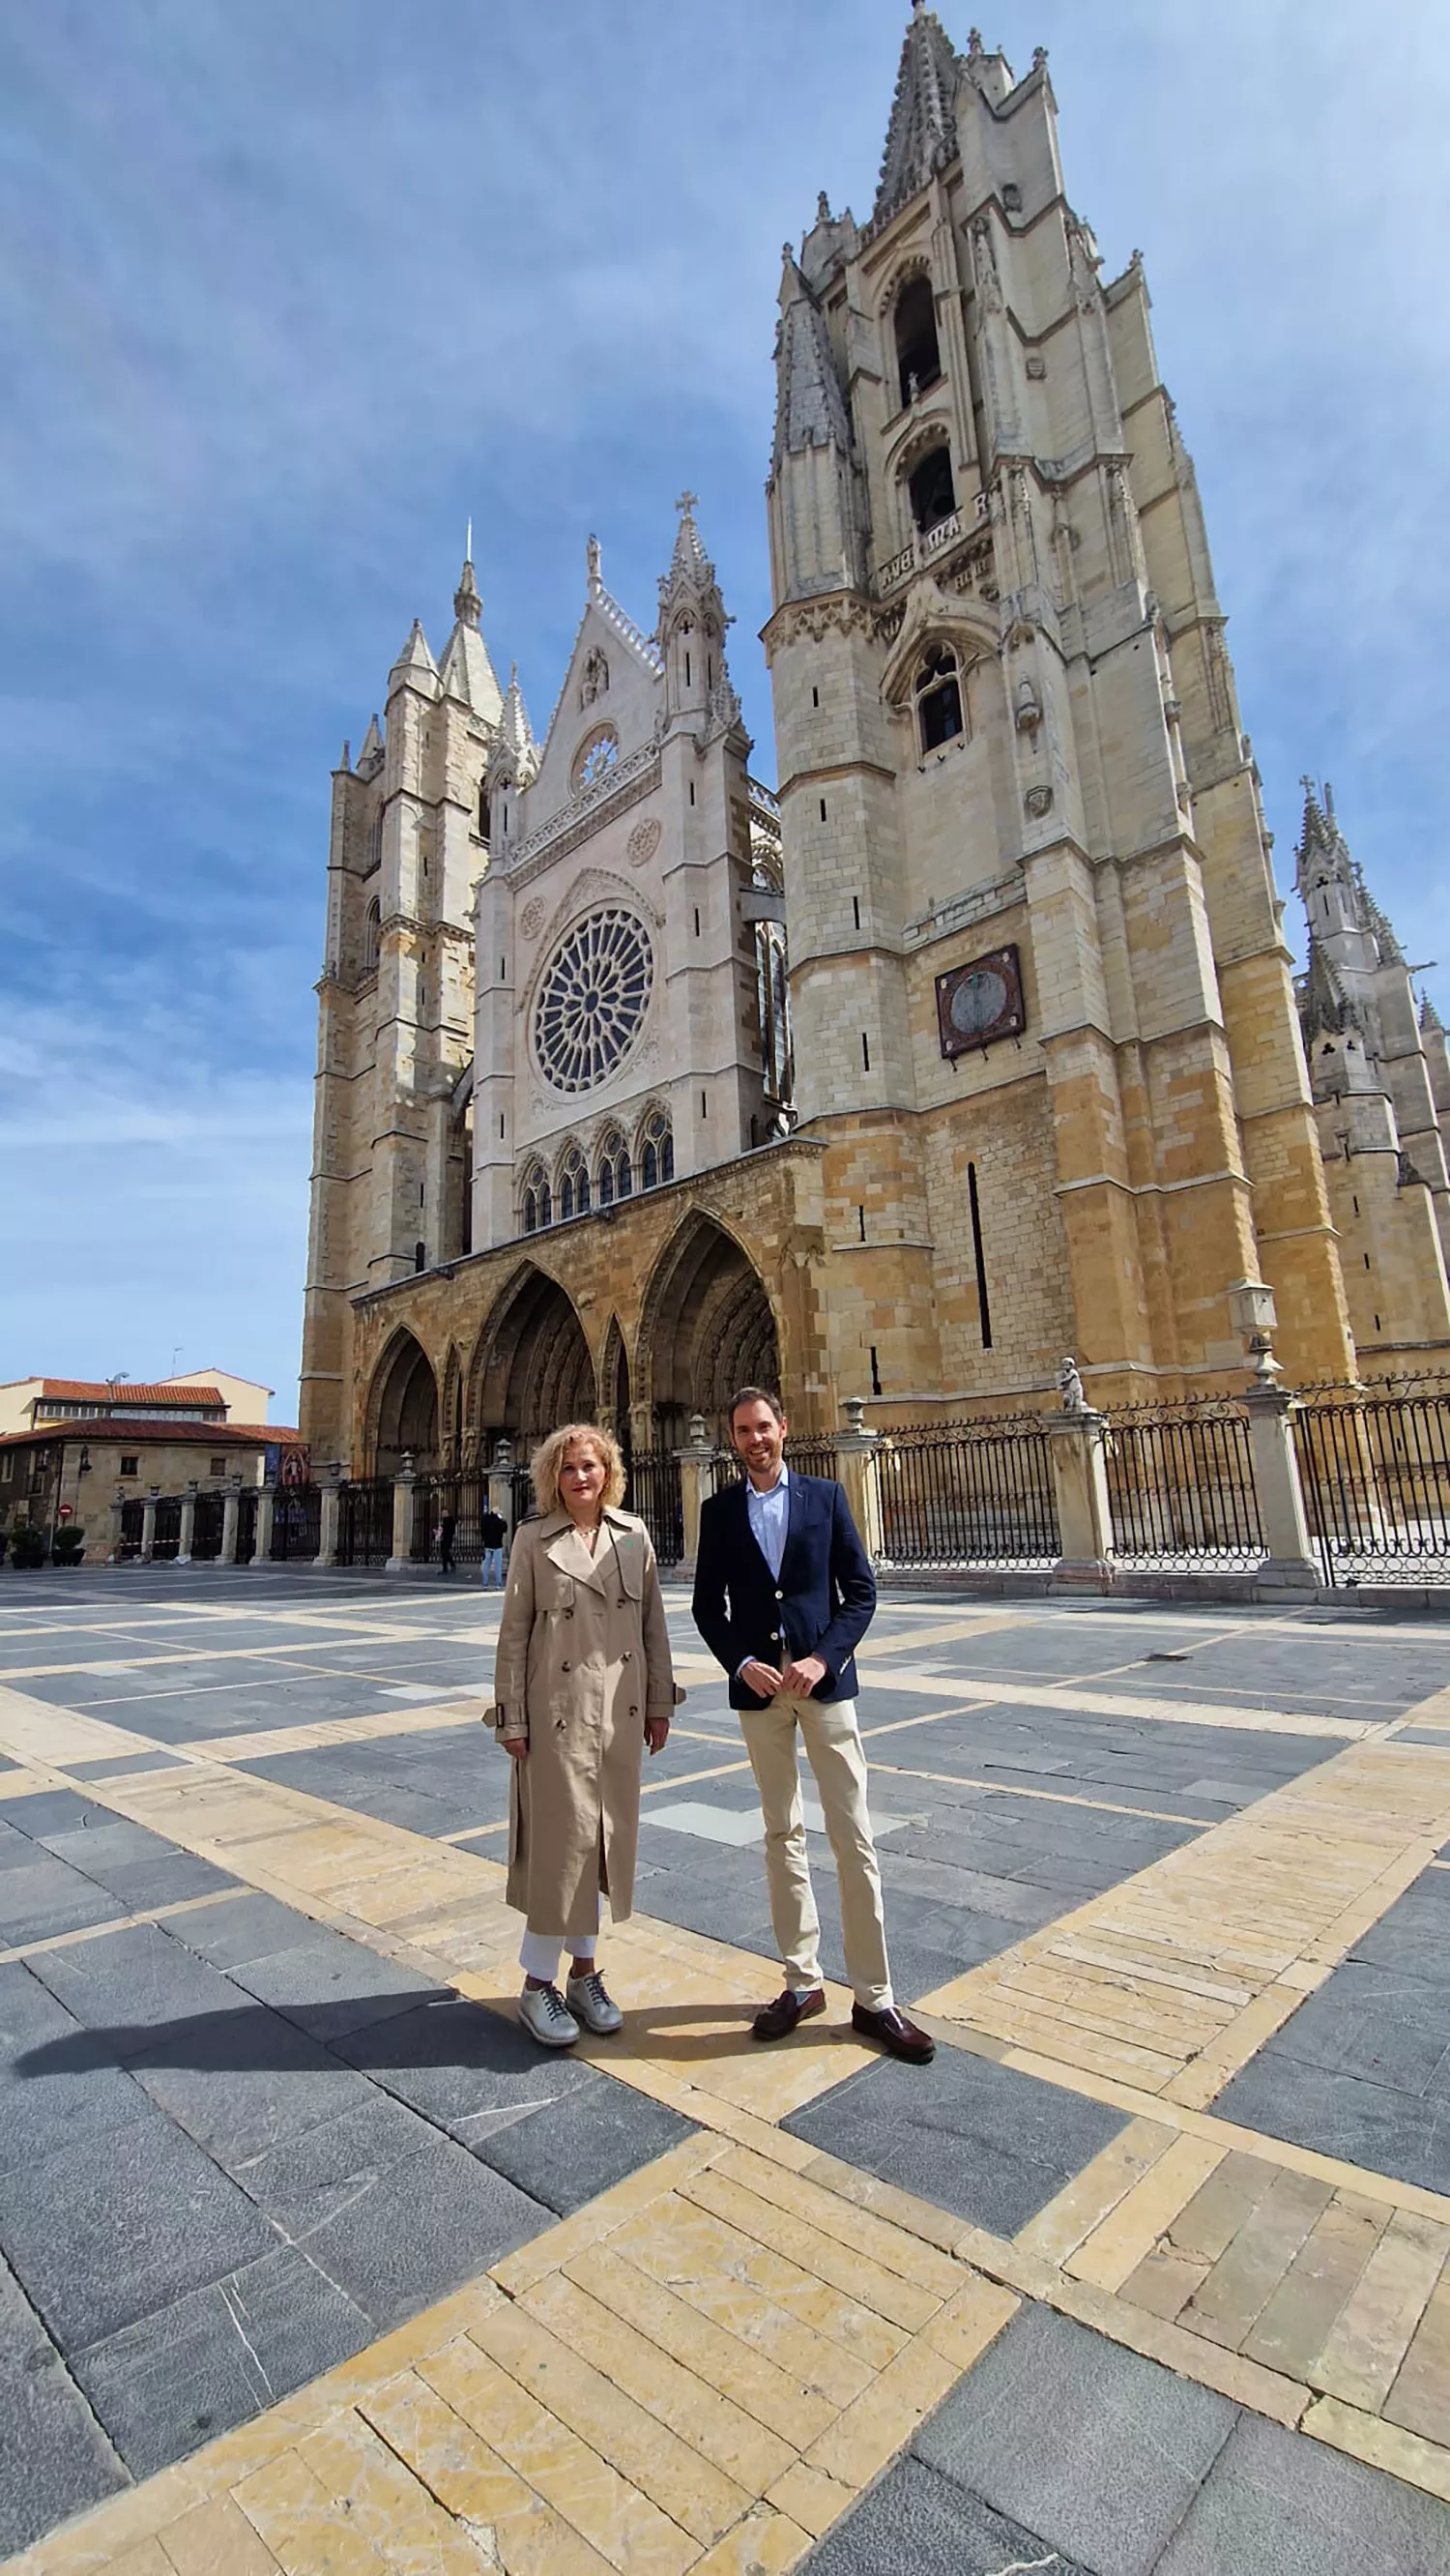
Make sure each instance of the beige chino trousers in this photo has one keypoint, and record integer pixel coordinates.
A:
(833, 1747)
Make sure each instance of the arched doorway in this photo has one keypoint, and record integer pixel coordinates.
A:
(402, 1413)
(531, 1369)
(707, 1328)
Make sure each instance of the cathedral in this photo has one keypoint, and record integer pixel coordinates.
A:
(975, 1042)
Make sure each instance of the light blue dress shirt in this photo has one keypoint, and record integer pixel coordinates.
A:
(769, 1518)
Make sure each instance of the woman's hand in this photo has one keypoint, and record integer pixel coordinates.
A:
(656, 1730)
(517, 1745)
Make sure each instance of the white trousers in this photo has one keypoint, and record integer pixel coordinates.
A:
(540, 1952)
(832, 1740)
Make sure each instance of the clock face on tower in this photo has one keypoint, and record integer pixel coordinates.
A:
(979, 1002)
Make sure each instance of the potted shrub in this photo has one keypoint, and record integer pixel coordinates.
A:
(27, 1547)
(69, 1544)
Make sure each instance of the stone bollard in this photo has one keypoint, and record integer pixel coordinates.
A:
(1080, 1484)
(401, 1560)
(1289, 1565)
(858, 1464)
(148, 1525)
(231, 1521)
(697, 1483)
(188, 1524)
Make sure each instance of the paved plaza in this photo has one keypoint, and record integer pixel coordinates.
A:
(313, 2262)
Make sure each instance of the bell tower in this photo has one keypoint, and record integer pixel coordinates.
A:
(1044, 1017)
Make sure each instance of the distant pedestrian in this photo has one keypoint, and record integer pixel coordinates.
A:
(582, 1682)
(444, 1535)
(493, 1532)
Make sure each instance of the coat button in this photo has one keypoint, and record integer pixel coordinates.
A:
(628, 1655)
(563, 1668)
(780, 1596)
(634, 1712)
(569, 1614)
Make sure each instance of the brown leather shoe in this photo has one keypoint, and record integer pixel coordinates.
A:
(778, 2020)
(895, 2033)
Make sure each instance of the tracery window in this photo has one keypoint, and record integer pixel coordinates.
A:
(593, 999)
(616, 1177)
(597, 759)
(657, 1152)
(938, 692)
(574, 1186)
(538, 1200)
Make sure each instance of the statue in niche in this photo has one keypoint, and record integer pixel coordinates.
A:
(1069, 1379)
(595, 680)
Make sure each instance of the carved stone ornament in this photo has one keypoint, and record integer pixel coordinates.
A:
(1069, 1380)
(531, 919)
(643, 841)
(980, 1002)
(1038, 801)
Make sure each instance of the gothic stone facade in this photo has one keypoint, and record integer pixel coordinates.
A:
(1050, 1087)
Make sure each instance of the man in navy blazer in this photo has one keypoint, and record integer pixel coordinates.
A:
(784, 1593)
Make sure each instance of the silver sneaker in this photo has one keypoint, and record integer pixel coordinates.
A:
(593, 2006)
(547, 2018)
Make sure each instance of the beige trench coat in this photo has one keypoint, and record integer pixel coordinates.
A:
(583, 1661)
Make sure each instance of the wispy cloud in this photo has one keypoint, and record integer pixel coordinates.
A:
(292, 292)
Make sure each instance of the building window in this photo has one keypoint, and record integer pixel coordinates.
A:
(573, 1186)
(938, 692)
(217, 1467)
(482, 809)
(7, 1466)
(933, 493)
(657, 1155)
(371, 926)
(538, 1200)
(130, 1462)
(918, 357)
(596, 759)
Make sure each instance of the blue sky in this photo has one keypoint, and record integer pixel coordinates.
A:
(290, 293)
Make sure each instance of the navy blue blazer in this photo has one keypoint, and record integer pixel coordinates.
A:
(821, 1605)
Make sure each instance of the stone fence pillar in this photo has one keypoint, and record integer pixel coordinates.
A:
(148, 1525)
(117, 1526)
(403, 1498)
(262, 1527)
(327, 1534)
(697, 1484)
(231, 1521)
(858, 1464)
(1080, 1483)
(1289, 1565)
(501, 1485)
(188, 1524)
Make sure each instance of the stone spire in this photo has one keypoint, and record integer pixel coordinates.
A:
(810, 407)
(922, 134)
(467, 606)
(415, 662)
(466, 671)
(516, 733)
(691, 576)
(1323, 1005)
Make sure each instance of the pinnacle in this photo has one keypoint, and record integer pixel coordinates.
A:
(921, 136)
(467, 606)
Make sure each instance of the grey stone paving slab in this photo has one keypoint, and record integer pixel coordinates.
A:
(242, 1928)
(82, 2093)
(17, 1851)
(54, 2458)
(454, 2060)
(147, 2217)
(329, 1985)
(981, 2139)
(1415, 1933)
(218, 2356)
(1074, 2437)
(49, 1897)
(108, 1767)
(1279, 2504)
(1370, 2124)
(917, 2520)
(418, 2229)
(1381, 2023)
(579, 2147)
(134, 1984)
(242, 2082)
(313, 2175)
(52, 1811)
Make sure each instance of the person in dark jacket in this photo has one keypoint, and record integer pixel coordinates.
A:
(493, 1532)
(784, 1593)
(444, 1534)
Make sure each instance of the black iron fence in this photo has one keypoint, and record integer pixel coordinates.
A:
(654, 1489)
(453, 1500)
(967, 1493)
(365, 1521)
(296, 1524)
(1374, 1467)
(1181, 1487)
(208, 1525)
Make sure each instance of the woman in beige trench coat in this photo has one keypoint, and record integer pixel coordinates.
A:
(582, 1682)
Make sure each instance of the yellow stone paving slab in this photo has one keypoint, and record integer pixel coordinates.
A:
(811, 2499)
(1420, 2396)
(1227, 2305)
(1381, 2445)
(1083, 1700)
(866, 2284)
(1363, 2353)
(146, 2559)
(889, 2249)
(1164, 2282)
(623, 2525)
(215, 2540)
(1119, 2243)
(652, 2188)
(971, 2320)
(776, 2398)
(294, 2514)
(1301, 2313)
(385, 2502)
(488, 2498)
(764, 2544)
(833, 2345)
(860, 2443)
(704, 2416)
(1087, 2200)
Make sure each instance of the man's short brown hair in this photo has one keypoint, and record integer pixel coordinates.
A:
(755, 1395)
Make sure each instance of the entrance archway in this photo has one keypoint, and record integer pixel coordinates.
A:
(531, 1369)
(707, 1327)
(402, 1415)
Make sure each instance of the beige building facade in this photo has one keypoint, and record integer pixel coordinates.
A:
(982, 1044)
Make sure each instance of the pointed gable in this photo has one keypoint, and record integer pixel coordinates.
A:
(610, 697)
(922, 135)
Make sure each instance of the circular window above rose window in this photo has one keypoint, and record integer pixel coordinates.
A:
(593, 999)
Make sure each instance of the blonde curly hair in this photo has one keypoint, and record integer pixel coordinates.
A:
(548, 1458)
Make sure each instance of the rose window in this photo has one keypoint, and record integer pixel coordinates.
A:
(593, 1000)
